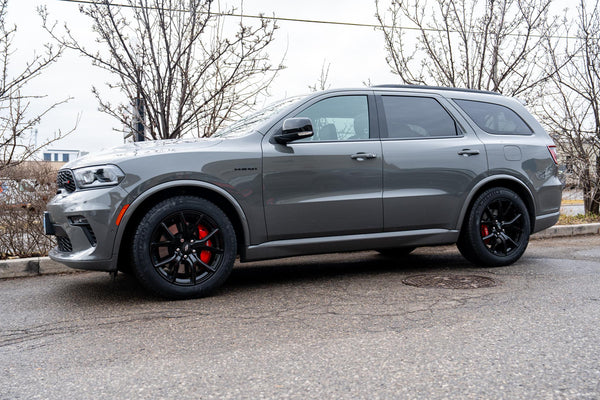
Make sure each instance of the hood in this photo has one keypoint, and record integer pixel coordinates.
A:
(142, 149)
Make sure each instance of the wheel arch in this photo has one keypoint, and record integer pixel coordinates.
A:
(151, 197)
(504, 181)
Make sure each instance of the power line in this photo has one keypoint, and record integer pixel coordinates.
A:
(312, 21)
(301, 20)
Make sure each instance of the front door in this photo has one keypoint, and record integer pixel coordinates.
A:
(329, 184)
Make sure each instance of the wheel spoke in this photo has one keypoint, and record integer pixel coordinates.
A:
(491, 235)
(166, 228)
(502, 242)
(490, 214)
(197, 223)
(493, 244)
(506, 237)
(182, 225)
(208, 267)
(161, 244)
(201, 242)
(210, 248)
(190, 269)
(506, 211)
(210, 235)
(174, 271)
(167, 261)
(512, 221)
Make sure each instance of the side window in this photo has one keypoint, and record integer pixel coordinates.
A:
(415, 117)
(339, 118)
(494, 118)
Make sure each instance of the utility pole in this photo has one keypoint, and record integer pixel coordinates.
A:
(139, 119)
(138, 123)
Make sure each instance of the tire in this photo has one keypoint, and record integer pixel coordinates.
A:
(184, 247)
(396, 251)
(496, 230)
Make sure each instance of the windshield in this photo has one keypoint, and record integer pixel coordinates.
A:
(252, 121)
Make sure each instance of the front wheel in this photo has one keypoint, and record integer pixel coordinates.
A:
(496, 231)
(183, 247)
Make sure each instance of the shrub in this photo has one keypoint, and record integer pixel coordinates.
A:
(26, 189)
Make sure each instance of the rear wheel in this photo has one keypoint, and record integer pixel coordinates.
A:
(496, 231)
(183, 247)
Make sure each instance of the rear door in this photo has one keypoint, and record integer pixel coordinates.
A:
(329, 184)
(432, 160)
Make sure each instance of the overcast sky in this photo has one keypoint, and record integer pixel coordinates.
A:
(356, 54)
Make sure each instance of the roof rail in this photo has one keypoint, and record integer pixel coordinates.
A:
(399, 86)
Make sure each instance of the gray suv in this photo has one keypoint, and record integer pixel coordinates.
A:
(388, 168)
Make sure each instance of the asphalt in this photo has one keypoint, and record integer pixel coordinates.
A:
(334, 326)
(26, 267)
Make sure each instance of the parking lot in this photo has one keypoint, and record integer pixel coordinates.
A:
(331, 326)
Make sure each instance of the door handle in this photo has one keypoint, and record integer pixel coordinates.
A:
(468, 152)
(363, 156)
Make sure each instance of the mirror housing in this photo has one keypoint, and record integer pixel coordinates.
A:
(294, 129)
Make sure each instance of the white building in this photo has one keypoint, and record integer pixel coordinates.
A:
(61, 155)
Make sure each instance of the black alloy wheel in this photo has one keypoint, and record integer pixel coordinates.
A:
(496, 231)
(184, 247)
(501, 227)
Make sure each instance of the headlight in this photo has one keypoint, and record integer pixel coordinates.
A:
(98, 176)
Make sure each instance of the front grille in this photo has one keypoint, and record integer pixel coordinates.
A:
(66, 180)
(64, 244)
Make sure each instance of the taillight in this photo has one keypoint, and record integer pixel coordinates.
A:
(552, 150)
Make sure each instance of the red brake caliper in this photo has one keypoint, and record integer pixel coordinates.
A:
(204, 254)
(485, 231)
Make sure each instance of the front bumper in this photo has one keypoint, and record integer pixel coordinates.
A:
(84, 225)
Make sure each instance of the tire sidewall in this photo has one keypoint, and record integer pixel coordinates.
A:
(141, 256)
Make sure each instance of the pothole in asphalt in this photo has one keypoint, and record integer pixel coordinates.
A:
(450, 281)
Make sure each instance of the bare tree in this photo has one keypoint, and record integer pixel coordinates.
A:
(571, 110)
(478, 44)
(178, 69)
(321, 83)
(17, 119)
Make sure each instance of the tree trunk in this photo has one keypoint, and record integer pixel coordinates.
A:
(595, 204)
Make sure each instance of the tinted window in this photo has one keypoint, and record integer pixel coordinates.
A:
(410, 117)
(494, 118)
(339, 118)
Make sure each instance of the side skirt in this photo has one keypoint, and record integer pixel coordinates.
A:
(333, 244)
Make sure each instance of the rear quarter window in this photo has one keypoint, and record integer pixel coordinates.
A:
(494, 118)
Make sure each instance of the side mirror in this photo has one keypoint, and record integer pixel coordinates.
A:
(294, 129)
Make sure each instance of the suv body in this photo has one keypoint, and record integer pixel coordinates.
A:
(388, 168)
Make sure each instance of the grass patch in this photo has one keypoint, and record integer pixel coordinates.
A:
(578, 219)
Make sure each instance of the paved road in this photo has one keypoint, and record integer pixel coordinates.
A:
(336, 326)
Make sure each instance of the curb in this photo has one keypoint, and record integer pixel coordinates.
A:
(567, 230)
(23, 267)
